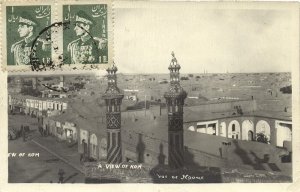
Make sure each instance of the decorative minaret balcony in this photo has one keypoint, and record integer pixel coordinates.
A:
(113, 99)
(175, 100)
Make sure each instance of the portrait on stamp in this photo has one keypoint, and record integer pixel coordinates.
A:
(24, 23)
(85, 40)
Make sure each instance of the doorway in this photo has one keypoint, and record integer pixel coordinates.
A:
(250, 135)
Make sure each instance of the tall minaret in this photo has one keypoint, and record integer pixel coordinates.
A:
(175, 101)
(113, 99)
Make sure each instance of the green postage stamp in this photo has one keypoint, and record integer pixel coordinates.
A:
(22, 26)
(86, 40)
(47, 36)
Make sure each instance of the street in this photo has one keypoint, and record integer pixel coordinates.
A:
(42, 167)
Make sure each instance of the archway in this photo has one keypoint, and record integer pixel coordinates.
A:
(85, 150)
(283, 132)
(93, 146)
(103, 148)
(263, 127)
(250, 136)
(248, 129)
(222, 132)
(234, 130)
(83, 134)
(191, 128)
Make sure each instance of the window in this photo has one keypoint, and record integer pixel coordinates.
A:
(213, 126)
(201, 128)
(211, 129)
(69, 133)
(233, 127)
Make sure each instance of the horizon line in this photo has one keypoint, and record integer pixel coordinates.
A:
(127, 73)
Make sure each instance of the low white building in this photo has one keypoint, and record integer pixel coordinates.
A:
(29, 103)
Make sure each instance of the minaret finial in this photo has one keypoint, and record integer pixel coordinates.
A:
(112, 79)
(174, 60)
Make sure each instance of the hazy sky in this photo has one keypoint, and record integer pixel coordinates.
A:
(217, 40)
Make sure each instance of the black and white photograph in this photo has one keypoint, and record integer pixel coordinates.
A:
(197, 93)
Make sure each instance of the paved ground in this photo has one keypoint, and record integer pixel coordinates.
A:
(41, 169)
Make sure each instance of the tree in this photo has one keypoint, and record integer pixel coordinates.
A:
(184, 78)
(262, 138)
(286, 90)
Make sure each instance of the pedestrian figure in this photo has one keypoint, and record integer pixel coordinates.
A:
(240, 111)
(43, 131)
(40, 130)
(23, 134)
(82, 158)
(26, 128)
(61, 173)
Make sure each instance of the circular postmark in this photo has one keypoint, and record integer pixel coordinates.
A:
(37, 60)
(48, 39)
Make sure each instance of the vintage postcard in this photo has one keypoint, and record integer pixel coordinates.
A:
(198, 93)
(54, 36)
